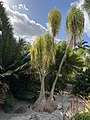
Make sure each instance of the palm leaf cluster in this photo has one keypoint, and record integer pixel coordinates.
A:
(54, 21)
(41, 52)
(75, 24)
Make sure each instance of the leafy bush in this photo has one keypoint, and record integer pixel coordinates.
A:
(82, 84)
(60, 85)
(82, 116)
(26, 87)
(9, 102)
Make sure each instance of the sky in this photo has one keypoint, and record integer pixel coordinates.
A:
(29, 18)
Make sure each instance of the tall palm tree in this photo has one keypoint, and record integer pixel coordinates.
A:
(41, 58)
(54, 22)
(75, 28)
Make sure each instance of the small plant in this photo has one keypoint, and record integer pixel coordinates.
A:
(82, 116)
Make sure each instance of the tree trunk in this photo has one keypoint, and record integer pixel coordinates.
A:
(50, 103)
(59, 70)
(42, 91)
(39, 105)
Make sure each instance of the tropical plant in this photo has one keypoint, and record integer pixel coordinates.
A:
(73, 66)
(73, 63)
(7, 42)
(82, 116)
(54, 21)
(13, 56)
(83, 52)
(28, 87)
(82, 84)
(83, 44)
(75, 24)
(74, 27)
(41, 58)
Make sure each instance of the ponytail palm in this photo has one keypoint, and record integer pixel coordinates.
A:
(41, 58)
(75, 24)
(41, 53)
(54, 21)
(74, 27)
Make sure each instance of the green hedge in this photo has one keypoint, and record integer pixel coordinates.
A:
(82, 116)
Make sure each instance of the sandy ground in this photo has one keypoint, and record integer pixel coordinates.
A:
(32, 115)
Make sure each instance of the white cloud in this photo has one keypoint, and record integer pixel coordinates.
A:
(87, 20)
(20, 6)
(23, 26)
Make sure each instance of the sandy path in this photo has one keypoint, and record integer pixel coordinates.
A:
(32, 115)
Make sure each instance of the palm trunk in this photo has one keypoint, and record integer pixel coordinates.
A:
(39, 105)
(42, 91)
(59, 70)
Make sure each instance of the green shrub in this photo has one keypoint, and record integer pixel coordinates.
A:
(60, 85)
(82, 84)
(82, 116)
(26, 87)
(29, 90)
(9, 103)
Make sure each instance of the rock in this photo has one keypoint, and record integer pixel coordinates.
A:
(39, 106)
